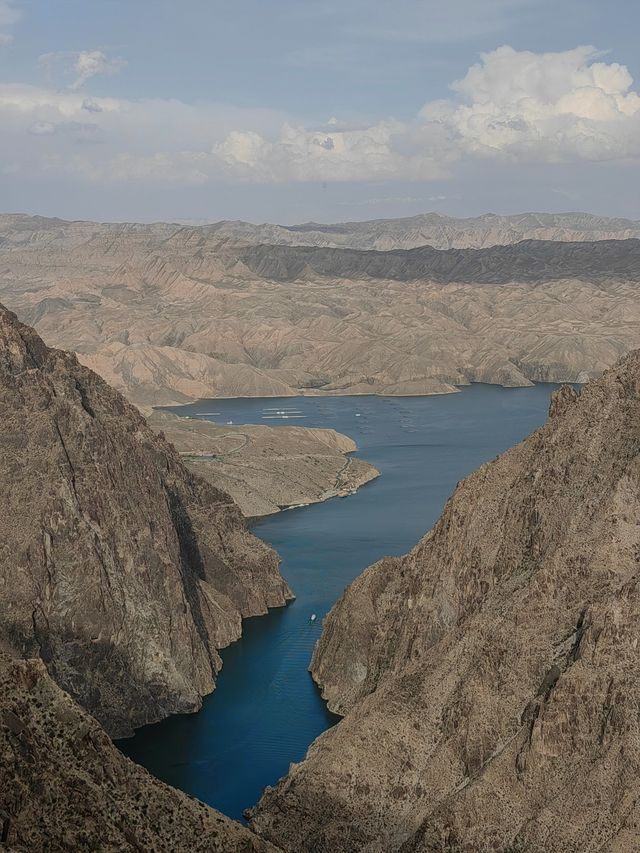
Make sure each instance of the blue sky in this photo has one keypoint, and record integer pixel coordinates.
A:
(289, 111)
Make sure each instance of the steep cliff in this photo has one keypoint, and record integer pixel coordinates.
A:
(490, 678)
(118, 567)
(64, 786)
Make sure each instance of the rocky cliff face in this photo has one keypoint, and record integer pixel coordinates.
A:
(490, 678)
(118, 567)
(64, 786)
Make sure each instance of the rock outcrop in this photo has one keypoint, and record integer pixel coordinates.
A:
(490, 678)
(64, 786)
(119, 568)
(267, 469)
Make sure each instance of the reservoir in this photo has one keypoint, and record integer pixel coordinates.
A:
(266, 710)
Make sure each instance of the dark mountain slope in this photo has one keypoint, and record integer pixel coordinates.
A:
(526, 262)
(118, 567)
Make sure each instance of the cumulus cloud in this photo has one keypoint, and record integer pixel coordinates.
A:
(551, 106)
(512, 106)
(9, 15)
(81, 66)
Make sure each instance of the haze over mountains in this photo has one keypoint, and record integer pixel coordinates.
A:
(169, 313)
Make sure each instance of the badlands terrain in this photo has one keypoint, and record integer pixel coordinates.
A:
(169, 313)
(266, 469)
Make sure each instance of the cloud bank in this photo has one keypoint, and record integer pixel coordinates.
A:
(512, 106)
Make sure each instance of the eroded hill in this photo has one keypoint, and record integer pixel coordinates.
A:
(169, 314)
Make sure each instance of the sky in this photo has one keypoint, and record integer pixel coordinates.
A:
(297, 110)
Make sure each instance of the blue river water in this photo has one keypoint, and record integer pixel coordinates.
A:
(266, 710)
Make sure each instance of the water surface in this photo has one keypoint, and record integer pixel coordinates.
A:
(266, 710)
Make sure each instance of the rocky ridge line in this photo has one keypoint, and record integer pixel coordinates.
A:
(490, 678)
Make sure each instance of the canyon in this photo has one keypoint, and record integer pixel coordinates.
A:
(488, 679)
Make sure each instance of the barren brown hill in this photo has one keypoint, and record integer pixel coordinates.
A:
(441, 232)
(266, 469)
(118, 567)
(169, 314)
(490, 678)
(64, 786)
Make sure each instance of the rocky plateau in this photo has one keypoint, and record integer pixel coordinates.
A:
(267, 469)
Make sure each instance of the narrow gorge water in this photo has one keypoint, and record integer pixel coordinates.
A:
(266, 710)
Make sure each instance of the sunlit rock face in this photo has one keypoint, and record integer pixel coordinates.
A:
(489, 678)
(119, 568)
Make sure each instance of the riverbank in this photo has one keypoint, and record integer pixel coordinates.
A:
(266, 469)
(266, 710)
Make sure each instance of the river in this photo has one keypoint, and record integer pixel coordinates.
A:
(266, 710)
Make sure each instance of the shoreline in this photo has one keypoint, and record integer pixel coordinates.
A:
(455, 389)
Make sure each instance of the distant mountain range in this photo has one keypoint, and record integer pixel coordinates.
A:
(441, 232)
(169, 313)
(427, 229)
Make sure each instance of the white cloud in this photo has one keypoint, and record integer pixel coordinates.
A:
(546, 107)
(91, 63)
(81, 66)
(9, 15)
(515, 107)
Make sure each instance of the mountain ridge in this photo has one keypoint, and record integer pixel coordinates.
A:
(168, 316)
(489, 678)
(122, 570)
